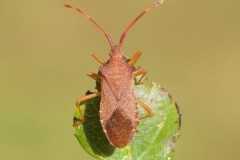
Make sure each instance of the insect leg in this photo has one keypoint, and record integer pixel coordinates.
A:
(142, 72)
(94, 76)
(98, 59)
(142, 79)
(79, 101)
(134, 59)
(150, 113)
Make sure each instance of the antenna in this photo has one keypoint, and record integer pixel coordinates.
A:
(94, 22)
(157, 3)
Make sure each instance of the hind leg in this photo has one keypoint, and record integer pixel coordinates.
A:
(150, 113)
(79, 101)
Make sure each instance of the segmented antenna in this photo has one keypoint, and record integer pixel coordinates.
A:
(158, 3)
(95, 23)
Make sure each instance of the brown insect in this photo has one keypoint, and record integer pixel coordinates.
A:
(118, 106)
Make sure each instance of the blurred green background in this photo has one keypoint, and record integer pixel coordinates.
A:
(191, 47)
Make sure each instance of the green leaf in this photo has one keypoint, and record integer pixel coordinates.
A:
(156, 135)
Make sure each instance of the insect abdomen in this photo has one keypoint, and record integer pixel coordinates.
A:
(120, 128)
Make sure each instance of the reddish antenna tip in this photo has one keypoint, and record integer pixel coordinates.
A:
(93, 21)
(68, 6)
(158, 3)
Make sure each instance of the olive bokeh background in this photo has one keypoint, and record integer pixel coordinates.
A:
(190, 47)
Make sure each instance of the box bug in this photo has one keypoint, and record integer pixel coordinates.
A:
(118, 106)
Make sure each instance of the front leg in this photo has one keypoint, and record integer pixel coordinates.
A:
(134, 59)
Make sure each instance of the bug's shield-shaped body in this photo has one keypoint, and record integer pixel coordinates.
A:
(118, 107)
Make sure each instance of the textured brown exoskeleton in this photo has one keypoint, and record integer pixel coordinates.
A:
(118, 107)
